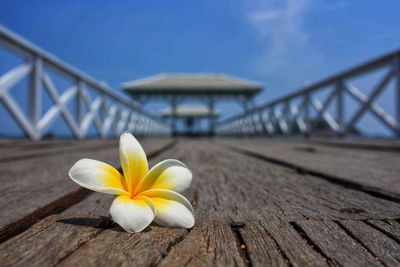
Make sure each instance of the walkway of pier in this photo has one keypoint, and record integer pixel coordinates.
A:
(257, 202)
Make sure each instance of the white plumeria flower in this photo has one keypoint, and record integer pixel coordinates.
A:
(142, 195)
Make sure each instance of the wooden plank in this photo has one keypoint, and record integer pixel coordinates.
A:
(389, 227)
(275, 243)
(366, 144)
(57, 236)
(210, 243)
(144, 249)
(244, 209)
(337, 245)
(282, 192)
(236, 191)
(26, 150)
(19, 150)
(262, 249)
(377, 243)
(35, 187)
(296, 249)
(373, 171)
(242, 188)
(54, 237)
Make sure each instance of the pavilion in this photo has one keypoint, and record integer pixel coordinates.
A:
(191, 116)
(206, 88)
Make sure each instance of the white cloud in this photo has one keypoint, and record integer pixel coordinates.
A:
(281, 26)
(265, 15)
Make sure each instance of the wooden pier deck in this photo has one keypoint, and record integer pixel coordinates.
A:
(257, 202)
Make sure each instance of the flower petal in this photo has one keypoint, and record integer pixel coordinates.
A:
(172, 209)
(98, 176)
(169, 174)
(134, 215)
(133, 160)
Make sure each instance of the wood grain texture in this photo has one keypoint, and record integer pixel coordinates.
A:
(210, 243)
(389, 227)
(371, 170)
(337, 245)
(34, 187)
(377, 243)
(262, 248)
(354, 143)
(249, 212)
(55, 237)
(296, 249)
(25, 150)
(222, 244)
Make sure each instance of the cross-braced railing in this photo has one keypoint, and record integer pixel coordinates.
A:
(304, 113)
(94, 103)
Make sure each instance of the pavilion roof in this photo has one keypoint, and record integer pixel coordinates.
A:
(189, 111)
(192, 84)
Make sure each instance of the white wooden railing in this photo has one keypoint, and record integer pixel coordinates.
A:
(291, 114)
(109, 112)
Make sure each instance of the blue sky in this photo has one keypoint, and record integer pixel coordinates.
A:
(282, 44)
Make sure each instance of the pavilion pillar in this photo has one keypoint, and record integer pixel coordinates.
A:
(211, 107)
(397, 92)
(173, 109)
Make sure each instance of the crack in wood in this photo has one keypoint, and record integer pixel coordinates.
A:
(170, 246)
(355, 238)
(278, 247)
(311, 243)
(241, 244)
(372, 191)
(195, 198)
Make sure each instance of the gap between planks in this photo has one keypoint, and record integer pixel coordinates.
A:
(372, 191)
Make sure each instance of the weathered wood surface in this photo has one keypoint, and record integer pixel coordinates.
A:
(35, 186)
(249, 212)
(372, 170)
(369, 144)
(18, 150)
(336, 245)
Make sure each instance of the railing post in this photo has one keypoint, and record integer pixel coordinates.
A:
(340, 107)
(397, 91)
(285, 117)
(79, 101)
(235, 126)
(307, 101)
(261, 120)
(34, 97)
(272, 120)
